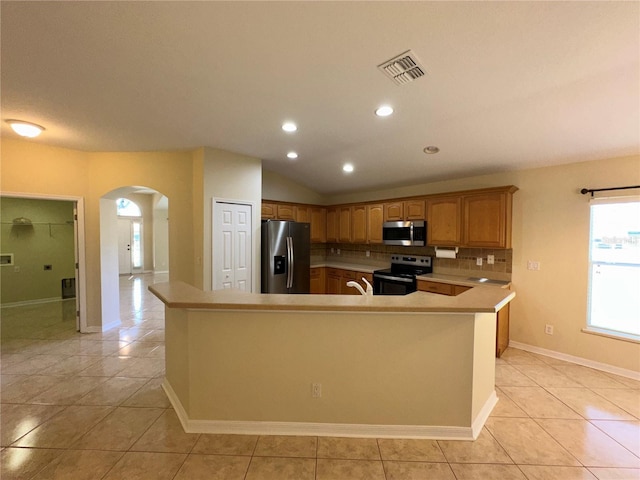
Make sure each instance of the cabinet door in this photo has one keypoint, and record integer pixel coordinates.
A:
(502, 330)
(375, 216)
(318, 225)
(414, 210)
(435, 287)
(393, 211)
(334, 279)
(333, 224)
(347, 276)
(344, 230)
(359, 224)
(269, 211)
(444, 216)
(302, 213)
(485, 218)
(317, 280)
(285, 212)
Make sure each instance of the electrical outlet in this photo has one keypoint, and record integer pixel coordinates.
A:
(16, 268)
(548, 329)
(316, 390)
(533, 265)
(338, 251)
(479, 261)
(367, 253)
(491, 259)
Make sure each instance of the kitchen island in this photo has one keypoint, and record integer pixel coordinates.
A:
(415, 366)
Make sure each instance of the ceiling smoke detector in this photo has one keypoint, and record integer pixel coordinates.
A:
(403, 69)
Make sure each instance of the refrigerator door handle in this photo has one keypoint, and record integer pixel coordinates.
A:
(291, 262)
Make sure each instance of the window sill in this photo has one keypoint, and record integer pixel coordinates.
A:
(602, 332)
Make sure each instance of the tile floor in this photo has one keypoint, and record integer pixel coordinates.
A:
(92, 407)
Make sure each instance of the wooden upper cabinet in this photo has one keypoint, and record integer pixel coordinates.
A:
(318, 217)
(393, 211)
(269, 211)
(405, 210)
(286, 212)
(333, 225)
(487, 220)
(375, 218)
(414, 210)
(302, 213)
(359, 224)
(444, 221)
(344, 222)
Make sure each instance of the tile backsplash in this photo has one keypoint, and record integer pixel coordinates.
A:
(379, 255)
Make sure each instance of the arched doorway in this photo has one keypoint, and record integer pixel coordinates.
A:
(133, 242)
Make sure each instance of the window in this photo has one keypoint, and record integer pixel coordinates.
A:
(614, 278)
(126, 208)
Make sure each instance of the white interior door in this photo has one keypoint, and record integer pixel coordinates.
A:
(124, 246)
(231, 246)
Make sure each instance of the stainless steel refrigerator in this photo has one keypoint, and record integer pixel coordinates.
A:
(285, 256)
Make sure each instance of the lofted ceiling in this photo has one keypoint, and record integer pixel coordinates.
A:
(508, 85)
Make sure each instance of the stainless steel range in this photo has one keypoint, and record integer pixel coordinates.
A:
(400, 279)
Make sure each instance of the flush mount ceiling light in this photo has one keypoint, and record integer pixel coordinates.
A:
(292, 155)
(289, 127)
(347, 168)
(25, 129)
(384, 111)
(431, 149)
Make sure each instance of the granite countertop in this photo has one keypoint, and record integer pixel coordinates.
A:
(356, 267)
(465, 281)
(479, 299)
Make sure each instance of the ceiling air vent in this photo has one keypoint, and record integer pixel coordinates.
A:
(403, 69)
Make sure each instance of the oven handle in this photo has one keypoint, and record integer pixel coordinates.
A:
(393, 279)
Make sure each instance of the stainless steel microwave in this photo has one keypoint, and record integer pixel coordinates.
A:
(410, 233)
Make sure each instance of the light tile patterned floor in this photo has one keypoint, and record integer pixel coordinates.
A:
(92, 407)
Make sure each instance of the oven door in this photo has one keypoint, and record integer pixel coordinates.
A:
(389, 284)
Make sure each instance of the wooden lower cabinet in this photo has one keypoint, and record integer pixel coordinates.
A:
(441, 288)
(317, 281)
(334, 279)
(337, 278)
(502, 330)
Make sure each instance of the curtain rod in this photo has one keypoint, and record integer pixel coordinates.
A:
(584, 191)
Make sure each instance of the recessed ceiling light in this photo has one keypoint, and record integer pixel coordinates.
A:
(292, 155)
(347, 168)
(25, 129)
(431, 149)
(384, 111)
(289, 127)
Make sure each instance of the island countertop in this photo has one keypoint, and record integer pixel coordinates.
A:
(478, 299)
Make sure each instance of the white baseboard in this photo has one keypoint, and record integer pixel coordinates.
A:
(604, 367)
(35, 302)
(160, 271)
(102, 328)
(483, 415)
(328, 429)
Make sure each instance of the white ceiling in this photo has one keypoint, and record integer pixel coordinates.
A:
(509, 85)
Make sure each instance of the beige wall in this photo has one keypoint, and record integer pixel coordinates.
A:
(91, 175)
(229, 176)
(49, 240)
(277, 187)
(427, 369)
